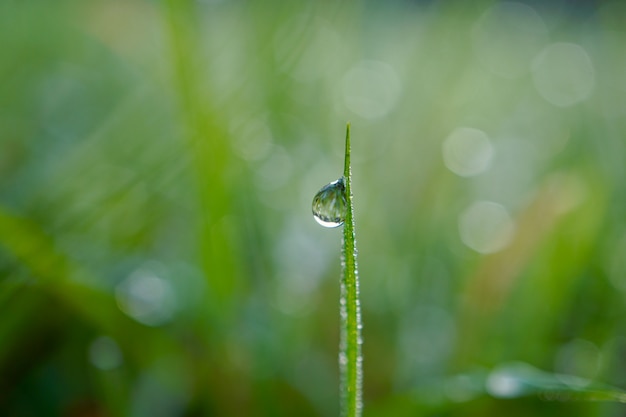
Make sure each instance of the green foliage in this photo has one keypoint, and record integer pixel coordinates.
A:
(157, 162)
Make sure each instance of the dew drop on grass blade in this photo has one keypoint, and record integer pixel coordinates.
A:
(332, 207)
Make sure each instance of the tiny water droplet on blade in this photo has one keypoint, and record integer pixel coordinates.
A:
(329, 204)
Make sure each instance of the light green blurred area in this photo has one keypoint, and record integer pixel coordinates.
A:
(158, 256)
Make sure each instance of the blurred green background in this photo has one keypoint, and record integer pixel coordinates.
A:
(158, 256)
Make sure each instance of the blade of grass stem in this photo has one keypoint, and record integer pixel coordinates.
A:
(350, 358)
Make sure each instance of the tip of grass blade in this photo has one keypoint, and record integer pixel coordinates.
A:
(346, 166)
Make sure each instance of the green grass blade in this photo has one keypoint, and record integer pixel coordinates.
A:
(350, 359)
(520, 379)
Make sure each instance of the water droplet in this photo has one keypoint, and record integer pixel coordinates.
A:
(329, 204)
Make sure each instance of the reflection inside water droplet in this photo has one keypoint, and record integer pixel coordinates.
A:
(329, 204)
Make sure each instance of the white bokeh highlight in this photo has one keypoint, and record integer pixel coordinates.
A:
(486, 227)
(146, 297)
(467, 152)
(563, 74)
(105, 354)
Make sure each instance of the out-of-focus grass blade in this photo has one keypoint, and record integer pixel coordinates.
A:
(520, 379)
(56, 274)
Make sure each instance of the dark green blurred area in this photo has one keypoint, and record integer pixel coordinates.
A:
(158, 256)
